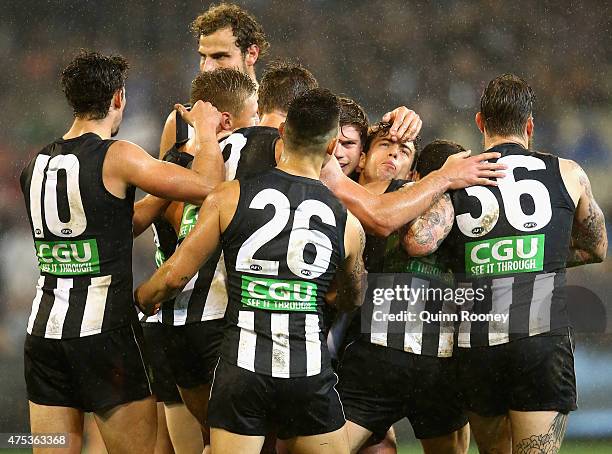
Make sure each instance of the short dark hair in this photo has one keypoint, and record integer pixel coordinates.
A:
(506, 105)
(281, 83)
(89, 82)
(434, 155)
(381, 129)
(312, 119)
(352, 114)
(226, 89)
(244, 26)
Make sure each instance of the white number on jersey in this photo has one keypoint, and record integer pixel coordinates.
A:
(511, 192)
(77, 223)
(299, 237)
(237, 142)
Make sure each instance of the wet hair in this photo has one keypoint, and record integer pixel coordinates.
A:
(312, 120)
(226, 89)
(434, 155)
(352, 114)
(281, 83)
(506, 105)
(244, 26)
(89, 82)
(381, 129)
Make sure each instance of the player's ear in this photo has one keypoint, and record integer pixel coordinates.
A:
(480, 122)
(281, 129)
(118, 98)
(251, 55)
(226, 121)
(529, 127)
(362, 161)
(331, 146)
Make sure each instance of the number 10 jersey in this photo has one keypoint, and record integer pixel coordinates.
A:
(282, 250)
(83, 241)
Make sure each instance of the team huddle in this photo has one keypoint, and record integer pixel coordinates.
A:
(319, 277)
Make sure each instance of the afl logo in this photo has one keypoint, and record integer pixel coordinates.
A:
(529, 225)
(37, 231)
(255, 267)
(306, 272)
(477, 230)
(66, 231)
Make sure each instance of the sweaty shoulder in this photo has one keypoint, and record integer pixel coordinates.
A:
(573, 177)
(121, 158)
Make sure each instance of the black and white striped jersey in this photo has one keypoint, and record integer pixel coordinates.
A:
(407, 304)
(282, 249)
(82, 239)
(246, 152)
(509, 244)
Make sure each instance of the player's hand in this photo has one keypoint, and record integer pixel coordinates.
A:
(463, 170)
(202, 115)
(331, 172)
(147, 309)
(405, 124)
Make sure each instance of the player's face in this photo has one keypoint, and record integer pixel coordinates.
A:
(349, 148)
(387, 160)
(219, 50)
(248, 116)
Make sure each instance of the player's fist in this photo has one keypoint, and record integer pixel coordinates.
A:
(405, 124)
(463, 170)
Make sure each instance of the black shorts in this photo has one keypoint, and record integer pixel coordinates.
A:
(530, 374)
(162, 379)
(193, 350)
(91, 373)
(379, 386)
(247, 403)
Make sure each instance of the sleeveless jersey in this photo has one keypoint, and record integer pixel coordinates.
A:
(282, 249)
(83, 241)
(509, 244)
(417, 318)
(246, 152)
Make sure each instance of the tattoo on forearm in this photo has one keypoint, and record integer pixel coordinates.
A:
(548, 443)
(432, 227)
(589, 231)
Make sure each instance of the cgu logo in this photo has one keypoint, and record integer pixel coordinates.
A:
(504, 250)
(281, 291)
(64, 253)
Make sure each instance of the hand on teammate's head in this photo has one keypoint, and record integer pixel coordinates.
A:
(463, 170)
(202, 115)
(331, 172)
(405, 124)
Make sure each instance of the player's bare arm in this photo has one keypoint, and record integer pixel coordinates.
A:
(146, 210)
(352, 273)
(202, 241)
(168, 134)
(425, 234)
(383, 214)
(589, 241)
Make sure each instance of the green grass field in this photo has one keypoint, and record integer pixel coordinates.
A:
(569, 447)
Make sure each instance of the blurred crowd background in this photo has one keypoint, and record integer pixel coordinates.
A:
(435, 57)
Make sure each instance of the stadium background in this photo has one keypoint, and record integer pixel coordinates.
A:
(434, 57)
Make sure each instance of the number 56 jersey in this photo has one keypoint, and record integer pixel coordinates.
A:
(509, 244)
(282, 250)
(83, 241)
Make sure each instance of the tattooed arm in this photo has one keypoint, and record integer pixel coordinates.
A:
(425, 234)
(351, 273)
(385, 213)
(589, 241)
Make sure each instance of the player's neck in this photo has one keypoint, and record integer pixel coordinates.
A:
(81, 126)
(492, 141)
(302, 166)
(364, 179)
(273, 119)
